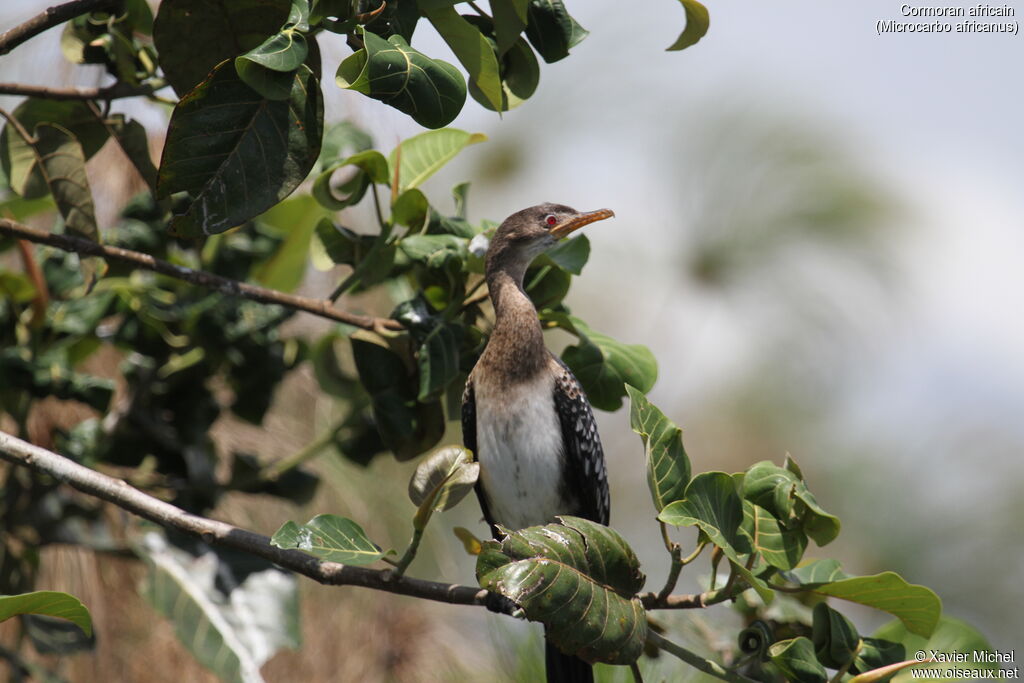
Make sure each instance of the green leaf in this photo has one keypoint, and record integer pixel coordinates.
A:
(237, 153)
(786, 496)
(296, 219)
(423, 155)
(518, 68)
(426, 247)
(712, 504)
(697, 21)
(668, 467)
(441, 481)
(20, 208)
(48, 603)
(371, 167)
(509, 21)
(407, 426)
(605, 366)
(470, 45)
(341, 244)
(571, 255)
(17, 158)
(231, 625)
(834, 636)
(438, 361)
(268, 67)
(950, 635)
(216, 30)
(916, 606)
(342, 140)
(551, 30)
(431, 91)
(133, 140)
(779, 545)
(411, 208)
(579, 579)
(329, 537)
(795, 658)
(62, 163)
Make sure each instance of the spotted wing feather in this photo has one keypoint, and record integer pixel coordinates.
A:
(586, 480)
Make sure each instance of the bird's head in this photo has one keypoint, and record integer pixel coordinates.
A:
(527, 233)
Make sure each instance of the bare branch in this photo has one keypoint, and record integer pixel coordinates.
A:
(47, 19)
(318, 307)
(110, 92)
(119, 493)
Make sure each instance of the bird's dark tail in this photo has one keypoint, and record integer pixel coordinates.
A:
(563, 668)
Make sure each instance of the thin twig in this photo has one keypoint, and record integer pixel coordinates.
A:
(18, 128)
(119, 493)
(47, 19)
(696, 661)
(110, 92)
(318, 307)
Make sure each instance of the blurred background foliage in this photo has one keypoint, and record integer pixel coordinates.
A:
(784, 264)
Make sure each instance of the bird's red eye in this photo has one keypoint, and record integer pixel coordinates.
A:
(550, 219)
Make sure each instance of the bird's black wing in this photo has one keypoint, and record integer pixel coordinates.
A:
(586, 480)
(469, 441)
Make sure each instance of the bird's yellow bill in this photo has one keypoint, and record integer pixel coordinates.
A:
(577, 222)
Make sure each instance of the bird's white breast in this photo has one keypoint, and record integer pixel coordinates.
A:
(519, 444)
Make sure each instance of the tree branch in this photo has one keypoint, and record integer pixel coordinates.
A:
(47, 19)
(319, 307)
(111, 92)
(119, 493)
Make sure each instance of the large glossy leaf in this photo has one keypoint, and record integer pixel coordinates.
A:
(329, 537)
(236, 153)
(441, 481)
(474, 51)
(779, 545)
(950, 635)
(551, 30)
(712, 504)
(916, 606)
(579, 579)
(697, 21)
(668, 467)
(48, 603)
(17, 158)
(194, 36)
(407, 426)
(295, 219)
(795, 658)
(431, 91)
(231, 625)
(423, 155)
(783, 493)
(605, 366)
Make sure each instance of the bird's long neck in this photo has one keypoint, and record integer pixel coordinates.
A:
(516, 350)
